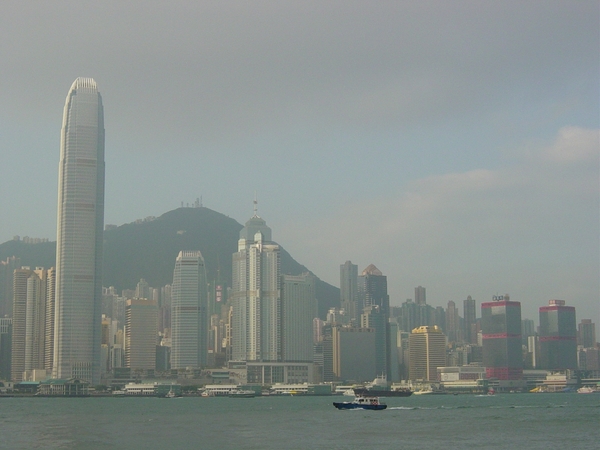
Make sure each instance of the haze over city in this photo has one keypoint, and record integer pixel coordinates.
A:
(455, 145)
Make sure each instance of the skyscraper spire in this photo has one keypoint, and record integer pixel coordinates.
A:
(255, 206)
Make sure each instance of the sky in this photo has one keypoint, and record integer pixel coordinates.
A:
(453, 144)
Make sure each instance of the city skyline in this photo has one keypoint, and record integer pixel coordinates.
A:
(447, 154)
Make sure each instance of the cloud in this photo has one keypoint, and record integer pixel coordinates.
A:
(529, 225)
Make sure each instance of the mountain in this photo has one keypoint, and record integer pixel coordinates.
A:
(147, 249)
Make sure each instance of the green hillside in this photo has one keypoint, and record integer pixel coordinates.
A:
(148, 250)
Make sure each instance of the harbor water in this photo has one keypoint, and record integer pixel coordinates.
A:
(503, 421)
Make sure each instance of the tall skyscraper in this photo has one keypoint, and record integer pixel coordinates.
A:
(427, 348)
(558, 336)
(19, 322)
(372, 288)
(256, 295)
(420, 295)
(470, 320)
(349, 290)
(452, 322)
(79, 235)
(298, 310)
(189, 320)
(7, 269)
(501, 333)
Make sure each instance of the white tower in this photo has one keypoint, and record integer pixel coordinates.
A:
(79, 237)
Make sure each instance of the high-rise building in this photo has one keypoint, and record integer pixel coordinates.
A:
(7, 269)
(452, 322)
(141, 333)
(35, 322)
(5, 347)
(79, 235)
(427, 348)
(298, 310)
(420, 295)
(372, 288)
(353, 354)
(256, 295)
(470, 320)
(501, 333)
(50, 308)
(558, 336)
(586, 333)
(19, 322)
(349, 290)
(189, 320)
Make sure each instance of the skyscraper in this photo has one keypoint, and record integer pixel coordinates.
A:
(349, 289)
(470, 320)
(427, 347)
(189, 320)
(372, 288)
(256, 296)
(452, 322)
(298, 310)
(141, 333)
(420, 295)
(558, 336)
(79, 235)
(501, 333)
(586, 333)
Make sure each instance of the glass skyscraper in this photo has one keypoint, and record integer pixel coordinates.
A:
(79, 235)
(189, 320)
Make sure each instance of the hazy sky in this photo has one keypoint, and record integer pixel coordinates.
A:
(454, 144)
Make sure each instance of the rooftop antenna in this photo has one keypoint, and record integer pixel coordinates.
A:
(255, 205)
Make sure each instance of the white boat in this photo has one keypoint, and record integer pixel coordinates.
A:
(586, 390)
(171, 394)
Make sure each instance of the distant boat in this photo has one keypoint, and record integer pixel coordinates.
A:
(586, 390)
(379, 388)
(362, 402)
(240, 393)
(491, 391)
(171, 394)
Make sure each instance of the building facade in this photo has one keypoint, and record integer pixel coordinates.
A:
(501, 334)
(298, 310)
(349, 290)
(427, 349)
(372, 288)
(141, 333)
(256, 295)
(558, 336)
(80, 235)
(189, 320)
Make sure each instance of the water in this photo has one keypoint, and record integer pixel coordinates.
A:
(504, 421)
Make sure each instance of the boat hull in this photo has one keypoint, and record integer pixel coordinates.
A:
(349, 405)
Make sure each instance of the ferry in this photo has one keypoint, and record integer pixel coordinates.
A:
(362, 402)
(242, 393)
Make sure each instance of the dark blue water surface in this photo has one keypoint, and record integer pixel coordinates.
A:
(509, 421)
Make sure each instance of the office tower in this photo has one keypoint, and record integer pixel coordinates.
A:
(439, 319)
(189, 320)
(298, 309)
(372, 288)
(349, 290)
(256, 321)
(586, 333)
(35, 321)
(452, 322)
(375, 319)
(353, 354)
(420, 295)
(19, 322)
(501, 333)
(50, 308)
(558, 336)
(470, 320)
(142, 290)
(527, 330)
(79, 237)
(141, 333)
(427, 349)
(7, 268)
(5, 347)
